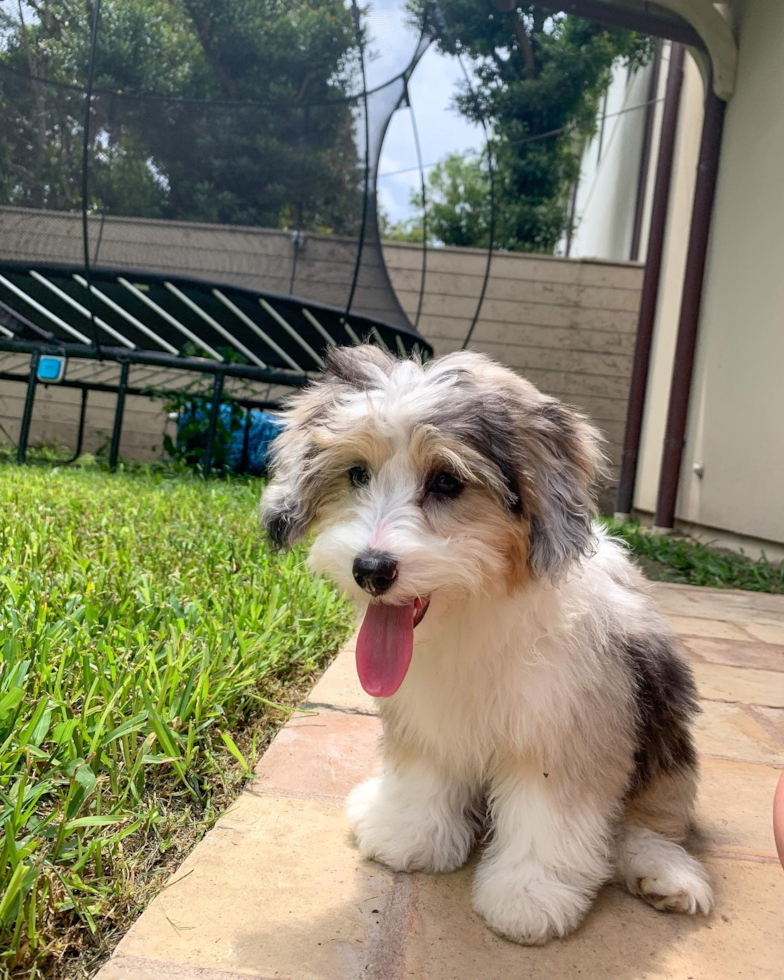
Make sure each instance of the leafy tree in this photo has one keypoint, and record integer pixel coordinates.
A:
(408, 230)
(248, 121)
(458, 205)
(537, 80)
(458, 197)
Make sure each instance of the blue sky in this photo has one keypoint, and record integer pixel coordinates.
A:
(442, 130)
(392, 43)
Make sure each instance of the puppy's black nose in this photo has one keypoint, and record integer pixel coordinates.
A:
(375, 572)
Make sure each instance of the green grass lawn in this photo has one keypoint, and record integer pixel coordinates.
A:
(150, 645)
(666, 558)
(146, 637)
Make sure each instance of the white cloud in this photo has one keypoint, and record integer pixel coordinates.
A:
(442, 130)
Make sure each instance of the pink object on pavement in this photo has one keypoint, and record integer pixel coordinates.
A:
(778, 818)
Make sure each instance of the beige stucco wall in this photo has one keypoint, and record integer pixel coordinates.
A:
(605, 213)
(735, 431)
(607, 188)
(736, 422)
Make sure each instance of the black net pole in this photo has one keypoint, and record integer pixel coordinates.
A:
(491, 229)
(86, 167)
(443, 29)
(297, 238)
(361, 242)
(27, 412)
(424, 210)
(245, 456)
(80, 432)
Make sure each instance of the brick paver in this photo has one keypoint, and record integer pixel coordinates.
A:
(276, 889)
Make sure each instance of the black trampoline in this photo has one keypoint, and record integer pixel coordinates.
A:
(167, 329)
(226, 229)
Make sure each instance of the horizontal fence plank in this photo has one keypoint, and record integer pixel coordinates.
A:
(515, 311)
(606, 365)
(517, 290)
(462, 313)
(134, 445)
(516, 265)
(12, 395)
(97, 417)
(536, 335)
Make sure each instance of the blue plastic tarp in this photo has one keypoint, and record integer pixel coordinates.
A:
(262, 428)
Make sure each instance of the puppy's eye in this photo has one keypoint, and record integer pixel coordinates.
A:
(445, 485)
(358, 476)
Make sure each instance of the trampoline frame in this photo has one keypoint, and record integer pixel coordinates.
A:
(21, 335)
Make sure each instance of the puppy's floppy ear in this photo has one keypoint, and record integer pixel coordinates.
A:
(298, 470)
(288, 505)
(561, 458)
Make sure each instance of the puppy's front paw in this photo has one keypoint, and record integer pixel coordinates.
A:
(404, 834)
(528, 905)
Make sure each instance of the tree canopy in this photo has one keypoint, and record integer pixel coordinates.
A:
(458, 205)
(241, 111)
(537, 78)
(215, 110)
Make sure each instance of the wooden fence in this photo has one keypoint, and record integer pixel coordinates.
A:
(567, 325)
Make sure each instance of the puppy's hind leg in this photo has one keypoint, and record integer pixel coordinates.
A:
(650, 860)
(661, 872)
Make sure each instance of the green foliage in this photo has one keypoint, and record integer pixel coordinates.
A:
(458, 205)
(192, 403)
(262, 154)
(458, 196)
(533, 73)
(410, 230)
(145, 632)
(191, 437)
(667, 558)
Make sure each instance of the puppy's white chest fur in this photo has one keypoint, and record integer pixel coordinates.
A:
(490, 678)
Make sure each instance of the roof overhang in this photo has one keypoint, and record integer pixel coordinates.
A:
(701, 25)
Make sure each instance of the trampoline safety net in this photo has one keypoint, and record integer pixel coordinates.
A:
(191, 184)
(221, 140)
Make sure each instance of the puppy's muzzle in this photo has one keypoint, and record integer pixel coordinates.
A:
(375, 572)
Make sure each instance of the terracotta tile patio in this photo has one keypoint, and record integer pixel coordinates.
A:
(276, 890)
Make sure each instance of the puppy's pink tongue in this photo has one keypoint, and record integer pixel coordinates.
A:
(384, 647)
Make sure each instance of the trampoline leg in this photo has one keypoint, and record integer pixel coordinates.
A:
(245, 457)
(27, 413)
(217, 391)
(80, 435)
(114, 451)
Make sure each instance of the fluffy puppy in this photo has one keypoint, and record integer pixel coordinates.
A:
(528, 689)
